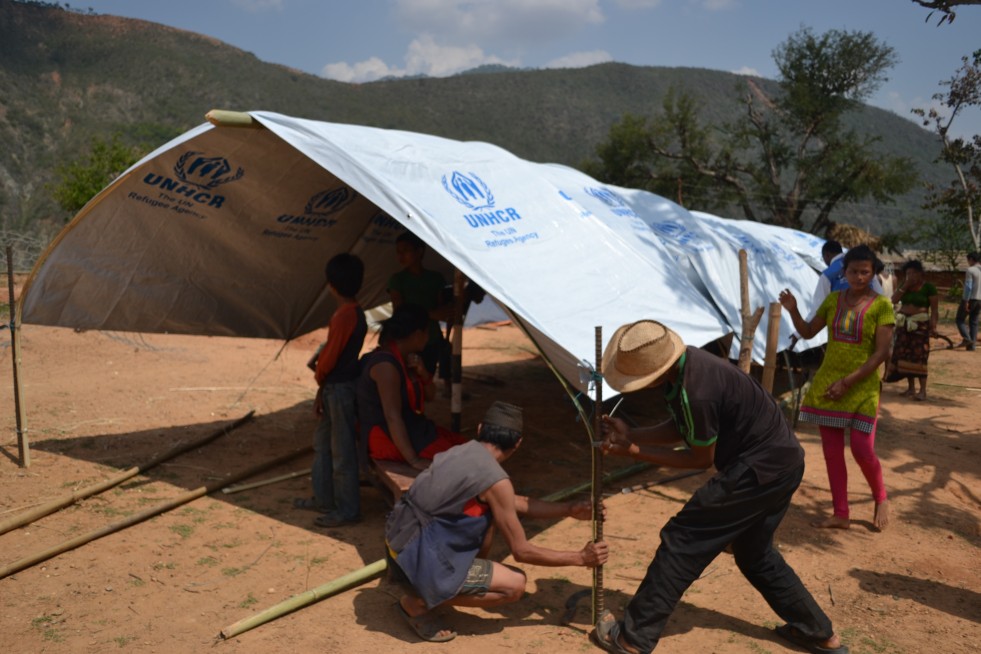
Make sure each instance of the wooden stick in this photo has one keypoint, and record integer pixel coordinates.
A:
(228, 490)
(225, 118)
(23, 446)
(88, 491)
(772, 335)
(184, 498)
(599, 599)
(750, 321)
(339, 585)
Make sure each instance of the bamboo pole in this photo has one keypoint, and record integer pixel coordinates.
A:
(184, 498)
(225, 118)
(772, 335)
(659, 482)
(369, 572)
(599, 603)
(331, 588)
(23, 446)
(88, 491)
(750, 320)
(228, 490)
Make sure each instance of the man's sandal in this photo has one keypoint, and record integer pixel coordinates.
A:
(606, 635)
(793, 635)
(427, 626)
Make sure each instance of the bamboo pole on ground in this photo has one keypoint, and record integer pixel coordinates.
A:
(750, 320)
(369, 572)
(88, 491)
(184, 498)
(23, 446)
(331, 588)
(228, 490)
(772, 335)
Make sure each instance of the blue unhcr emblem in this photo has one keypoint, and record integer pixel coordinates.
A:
(470, 191)
(205, 172)
(332, 201)
(616, 203)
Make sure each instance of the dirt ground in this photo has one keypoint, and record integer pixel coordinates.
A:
(99, 403)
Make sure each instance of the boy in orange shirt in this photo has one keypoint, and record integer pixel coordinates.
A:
(336, 492)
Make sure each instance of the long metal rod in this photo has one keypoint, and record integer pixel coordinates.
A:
(88, 491)
(23, 446)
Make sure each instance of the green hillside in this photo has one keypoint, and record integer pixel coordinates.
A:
(66, 77)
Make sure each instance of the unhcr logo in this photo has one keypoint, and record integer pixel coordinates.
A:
(332, 201)
(616, 203)
(196, 177)
(674, 231)
(469, 190)
(205, 172)
(317, 212)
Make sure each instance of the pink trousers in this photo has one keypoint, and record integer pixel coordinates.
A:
(863, 449)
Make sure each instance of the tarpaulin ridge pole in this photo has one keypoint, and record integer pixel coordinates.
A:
(184, 498)
(88, 491)
(23, 446)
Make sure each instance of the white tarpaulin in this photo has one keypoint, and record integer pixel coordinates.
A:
(226, 230)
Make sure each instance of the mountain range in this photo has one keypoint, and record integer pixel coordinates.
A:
(67, 77)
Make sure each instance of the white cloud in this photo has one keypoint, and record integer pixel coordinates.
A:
(511, 21)
(746, 70)
(427, 57)
(580, 59)
(716, 5)
(424, 57)
(637, 4)
(256, 6)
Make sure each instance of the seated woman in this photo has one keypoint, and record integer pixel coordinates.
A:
(391, 393)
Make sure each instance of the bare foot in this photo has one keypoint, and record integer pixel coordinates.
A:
(832, 522)
(910, 392)
(881, 519)
(921, 396)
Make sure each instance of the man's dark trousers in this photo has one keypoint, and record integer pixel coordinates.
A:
(732, 507)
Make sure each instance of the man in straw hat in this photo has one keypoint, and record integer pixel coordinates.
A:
(723, 417)
(440, 530)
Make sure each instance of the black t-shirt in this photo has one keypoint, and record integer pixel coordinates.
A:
(716, 402)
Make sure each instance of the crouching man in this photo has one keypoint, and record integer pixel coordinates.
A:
(441, 528)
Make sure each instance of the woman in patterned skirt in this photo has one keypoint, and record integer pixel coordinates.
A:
(916, 321)
(845, 391)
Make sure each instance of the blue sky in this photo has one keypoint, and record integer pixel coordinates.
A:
(363, 40)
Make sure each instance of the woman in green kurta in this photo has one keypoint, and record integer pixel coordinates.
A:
(916, 303)
(845, 390)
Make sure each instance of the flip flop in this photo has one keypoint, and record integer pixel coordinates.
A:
(606, 635)
(427, 626)
(793, 635)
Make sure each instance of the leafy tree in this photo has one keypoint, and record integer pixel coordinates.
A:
(80, 180)
(789, 160)
(959, 199)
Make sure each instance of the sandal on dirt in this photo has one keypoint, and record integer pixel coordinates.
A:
(793, 635)
(606, 635)
(427, 626)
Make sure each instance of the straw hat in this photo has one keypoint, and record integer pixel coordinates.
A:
(505, 415)
(640, 353)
